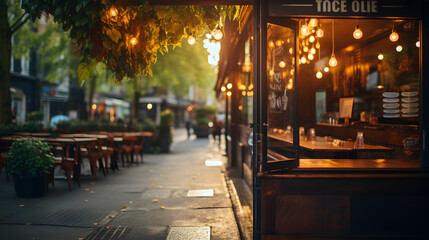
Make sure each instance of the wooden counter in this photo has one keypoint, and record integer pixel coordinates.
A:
(346, 199)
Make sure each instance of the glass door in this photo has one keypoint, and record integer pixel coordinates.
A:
(280, 138)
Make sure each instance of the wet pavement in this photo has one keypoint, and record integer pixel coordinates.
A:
(148, 201)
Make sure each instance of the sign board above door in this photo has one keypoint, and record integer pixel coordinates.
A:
(346, 8)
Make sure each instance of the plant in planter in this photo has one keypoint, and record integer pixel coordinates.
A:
(29, 161)
(203, 116)
(165, 136)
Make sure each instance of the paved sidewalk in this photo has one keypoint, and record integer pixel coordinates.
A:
(142, 202)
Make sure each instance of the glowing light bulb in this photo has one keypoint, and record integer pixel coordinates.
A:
(290, 80)
(326, 69)
(357, 34)
(278, 43)
(303, 60)
(229, 85)
(320, 33)
(271, 44)
(319, 74)
(218, 34)
(313, 51)
(394, 36)
(380, 56)
(305, 49)
(399, 48)
(289, 86)
(317, 45)
(192, 40)
(223, 88)
(282, 64)
(243, 93)
(305, 30)
(94, 106)
(310, 56)
(311, 39)
(134, 41)
(113, 11)
(290, 50)
(333, 61)
(229, 93)
(313, 22)
(418, 43)
(149, 106)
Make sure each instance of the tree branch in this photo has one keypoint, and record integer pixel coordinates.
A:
(18, 23)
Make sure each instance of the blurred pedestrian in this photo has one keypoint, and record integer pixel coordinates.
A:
(217, 129)
(188, 127)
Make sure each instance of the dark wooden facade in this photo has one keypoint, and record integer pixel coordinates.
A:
(330, 198)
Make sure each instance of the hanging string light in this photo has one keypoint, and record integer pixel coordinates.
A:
(380, 56)
(357, 34)
(134, 41)
(399, 48)
(113, 11)
(191, 40)
(319, 74)
(394, 36)
(333, 61)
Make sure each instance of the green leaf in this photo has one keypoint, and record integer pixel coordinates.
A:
(84, 72)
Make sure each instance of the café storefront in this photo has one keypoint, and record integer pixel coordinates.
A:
(336, 93)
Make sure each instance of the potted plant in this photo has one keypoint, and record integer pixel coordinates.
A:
(203, 116)
(29, 161)
(165, 137)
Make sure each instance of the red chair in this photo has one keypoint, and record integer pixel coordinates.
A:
(127, 149)
(92, 151)
(65, 156)
(138, 149)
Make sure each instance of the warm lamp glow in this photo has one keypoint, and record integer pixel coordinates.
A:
(305, 30)
(418, 43)
(218, 34)
(313, 22)
(229, 93)
(311, 39)
(303, 60)
(223, 88)
(282, 64)
(313, 51)
(326, 69)
(305, 49)
(243, 93)
(279, 43)
(333, 61)
(317, 45)
(229, 85)
(399, 48)
(113, 11)
(320, 33)
(94, 106)
(192, 40)
(149, 106)
(357, 34)
(289, 86)
(319, 74)
(134, 41)
(310, 56)
(290, 50)
(380, 56)
(394, 36)
(271, 44)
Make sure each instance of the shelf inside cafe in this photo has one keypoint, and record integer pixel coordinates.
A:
(372, 88)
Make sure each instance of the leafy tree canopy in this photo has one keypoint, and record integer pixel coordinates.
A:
(126, 35)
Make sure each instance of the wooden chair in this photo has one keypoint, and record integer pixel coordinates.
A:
(107, 149)
(138, 149)
(127, 149)
(65, 156)
(92, 151)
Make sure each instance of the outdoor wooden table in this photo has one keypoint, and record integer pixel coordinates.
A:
(37, 134)
(322, 146)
